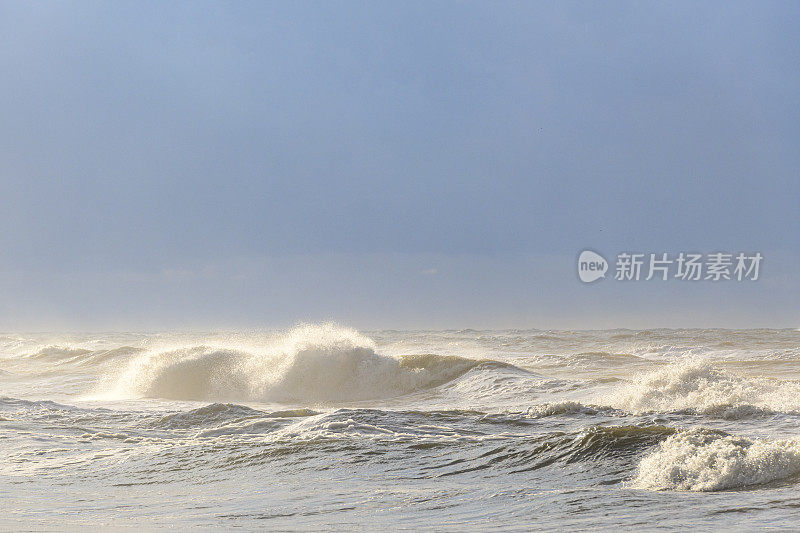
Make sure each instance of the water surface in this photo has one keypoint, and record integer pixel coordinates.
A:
(322, 427)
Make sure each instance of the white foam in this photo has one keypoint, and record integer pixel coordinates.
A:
(698, 460)
(700, 387)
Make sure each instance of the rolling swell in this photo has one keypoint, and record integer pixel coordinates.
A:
(216, 415)
(54, 355)
(591, 445)
(229, 436)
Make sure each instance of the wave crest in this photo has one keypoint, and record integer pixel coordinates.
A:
(308, 364)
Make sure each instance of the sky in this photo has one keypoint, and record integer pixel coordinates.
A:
(397, 165)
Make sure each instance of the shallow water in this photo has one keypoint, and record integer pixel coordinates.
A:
(322, 427)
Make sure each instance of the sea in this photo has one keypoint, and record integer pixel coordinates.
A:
(321, 427)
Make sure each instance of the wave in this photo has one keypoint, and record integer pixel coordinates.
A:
(592, 445)
(696, 387)
(55, 354)
(568, 408)
(317, 364)
(211, 414)
(222, 416)
(702, 460)
(7, 402)
(587, 360)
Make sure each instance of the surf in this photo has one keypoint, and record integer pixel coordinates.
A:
(308, 364)
(702, 460)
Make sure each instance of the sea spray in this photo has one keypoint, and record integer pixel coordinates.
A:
(308, 364)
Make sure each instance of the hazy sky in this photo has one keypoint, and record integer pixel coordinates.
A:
(397, 164)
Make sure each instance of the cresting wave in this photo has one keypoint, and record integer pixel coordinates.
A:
(315, 364)
(689, 388)
(698, 387)
(702, 460)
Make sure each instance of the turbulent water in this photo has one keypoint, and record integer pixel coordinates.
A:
(323, 427)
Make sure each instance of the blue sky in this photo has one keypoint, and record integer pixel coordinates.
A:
(392, 164)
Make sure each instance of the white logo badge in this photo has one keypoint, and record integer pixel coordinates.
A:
(591, 266)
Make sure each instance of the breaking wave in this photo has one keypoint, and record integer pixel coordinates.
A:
(702, 460)
(694, 387)
(308, 364)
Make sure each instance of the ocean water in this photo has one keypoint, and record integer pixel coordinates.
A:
(323, 427)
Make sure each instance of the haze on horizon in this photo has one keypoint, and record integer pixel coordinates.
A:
(393, 165)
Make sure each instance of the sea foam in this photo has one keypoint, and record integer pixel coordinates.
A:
(701, 460)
